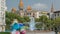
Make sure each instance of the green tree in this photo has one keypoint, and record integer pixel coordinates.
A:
(43, 20)
(56, 25)
(37, 20)
(27, 18)
(10, 16)
(38, 26)
(57, 21)
(49, 24)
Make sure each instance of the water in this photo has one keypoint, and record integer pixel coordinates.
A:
(32, 24)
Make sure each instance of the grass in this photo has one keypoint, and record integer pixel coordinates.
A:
(4, 32)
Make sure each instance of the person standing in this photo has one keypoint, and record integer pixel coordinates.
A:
(22, 28)
(15, 27)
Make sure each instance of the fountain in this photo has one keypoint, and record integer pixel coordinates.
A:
(32, 24)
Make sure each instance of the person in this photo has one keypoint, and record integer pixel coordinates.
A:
(17, 32)
(15, 27)
(22, 28)
(56, 30)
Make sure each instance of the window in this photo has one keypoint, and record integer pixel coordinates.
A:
(55, 15)
(2, 3)
(2, 9)
(58, 14)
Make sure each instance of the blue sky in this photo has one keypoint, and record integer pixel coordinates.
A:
(35, 4)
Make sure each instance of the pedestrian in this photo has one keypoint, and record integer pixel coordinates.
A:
(17, 32)
(56, 30)
(15, 27)
(22, 28)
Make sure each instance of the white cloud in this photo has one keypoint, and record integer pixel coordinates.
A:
(39, 6)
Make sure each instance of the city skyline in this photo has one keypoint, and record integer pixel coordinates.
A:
(35, 4)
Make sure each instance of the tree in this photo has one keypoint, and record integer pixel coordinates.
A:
(49, 24)
(27, 18)
(57, 23)
(10, 16)
(38, 26)
(37, 20)
(43, 19)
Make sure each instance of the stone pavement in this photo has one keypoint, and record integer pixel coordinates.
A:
(37, 32)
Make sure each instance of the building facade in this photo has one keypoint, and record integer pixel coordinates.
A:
(56, 14)
(51, 12)
(28, 11)
(2, 15)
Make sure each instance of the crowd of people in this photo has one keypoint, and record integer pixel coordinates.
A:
(18, 27)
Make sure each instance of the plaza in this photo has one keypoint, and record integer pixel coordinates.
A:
(51, 32)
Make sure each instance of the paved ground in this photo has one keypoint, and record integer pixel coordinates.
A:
(37, 32)
(51, 32)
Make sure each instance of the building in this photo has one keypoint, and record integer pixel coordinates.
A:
(28, 11)
(56, 14)
(13, 10)
(51, 12)
(2, 15)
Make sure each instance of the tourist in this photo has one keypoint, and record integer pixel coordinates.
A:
(15, 27)
(22, 28)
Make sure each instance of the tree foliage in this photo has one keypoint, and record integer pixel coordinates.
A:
(37, 20)
(43, 18)
(11, 16)
(57, 23)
